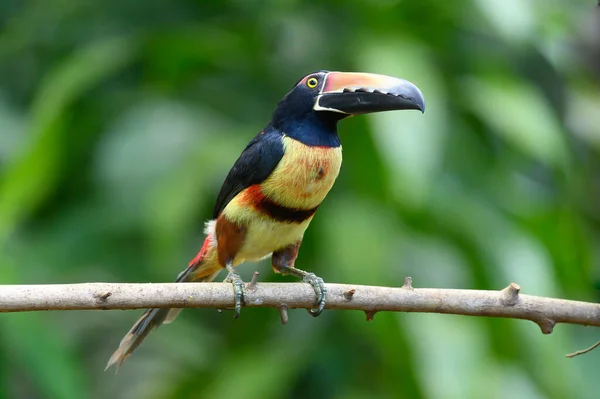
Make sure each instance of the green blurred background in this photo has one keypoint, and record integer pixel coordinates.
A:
(120, 119)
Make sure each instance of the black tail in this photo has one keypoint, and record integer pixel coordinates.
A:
(204, 267)
(151, 319)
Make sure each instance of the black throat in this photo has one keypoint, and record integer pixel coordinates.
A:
(318, 129)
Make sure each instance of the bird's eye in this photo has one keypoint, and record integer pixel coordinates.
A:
(312, 83)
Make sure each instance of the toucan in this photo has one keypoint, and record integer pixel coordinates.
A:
(274, 188)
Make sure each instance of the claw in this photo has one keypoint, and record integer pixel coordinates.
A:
(238, 290)
(319, 286)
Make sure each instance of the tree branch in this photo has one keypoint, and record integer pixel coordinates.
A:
(509, 303)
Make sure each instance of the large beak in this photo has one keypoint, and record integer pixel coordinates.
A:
(361, 93)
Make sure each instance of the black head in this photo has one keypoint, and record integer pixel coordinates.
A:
(312, 108)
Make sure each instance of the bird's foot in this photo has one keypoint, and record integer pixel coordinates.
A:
(321, 291)
(280, 266)
(238, 289)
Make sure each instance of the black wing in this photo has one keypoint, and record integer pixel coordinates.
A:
(255, 164)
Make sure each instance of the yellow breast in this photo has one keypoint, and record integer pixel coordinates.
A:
(304, 175)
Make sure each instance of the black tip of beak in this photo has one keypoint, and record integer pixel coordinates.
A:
(421, 106)
(420, 102)
(411, 94)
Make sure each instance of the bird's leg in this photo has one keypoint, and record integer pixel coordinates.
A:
(230, 237)
(238, 288)
(283, 262)
(317, 284)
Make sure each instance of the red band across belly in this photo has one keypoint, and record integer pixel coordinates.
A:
(275, 211)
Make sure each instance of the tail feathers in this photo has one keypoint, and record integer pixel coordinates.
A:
(173, 313)
(203, 263)
(204, 267)
(151, 319)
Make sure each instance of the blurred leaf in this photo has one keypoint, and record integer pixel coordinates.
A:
(28, 180)
(583, 117)
(11, 134)
(513, 19)
(242, 374)
(34, 345)
(411, 143)
(518, 113)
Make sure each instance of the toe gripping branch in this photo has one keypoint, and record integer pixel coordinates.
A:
(315, 281)
(320, 290)
(283, 262)
(238, 289)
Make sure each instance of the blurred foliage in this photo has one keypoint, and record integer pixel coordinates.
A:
(120, 119)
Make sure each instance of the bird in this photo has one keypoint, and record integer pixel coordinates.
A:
(274, 188)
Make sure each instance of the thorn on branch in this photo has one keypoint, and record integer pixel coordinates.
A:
(283, 313)
(408, 283)
(370, 314)
(252, 283)
(546, 325)
(349, 294)
(102, 297)
(510, 295)
(591, 348)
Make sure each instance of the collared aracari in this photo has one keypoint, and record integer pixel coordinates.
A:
(276, 185)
